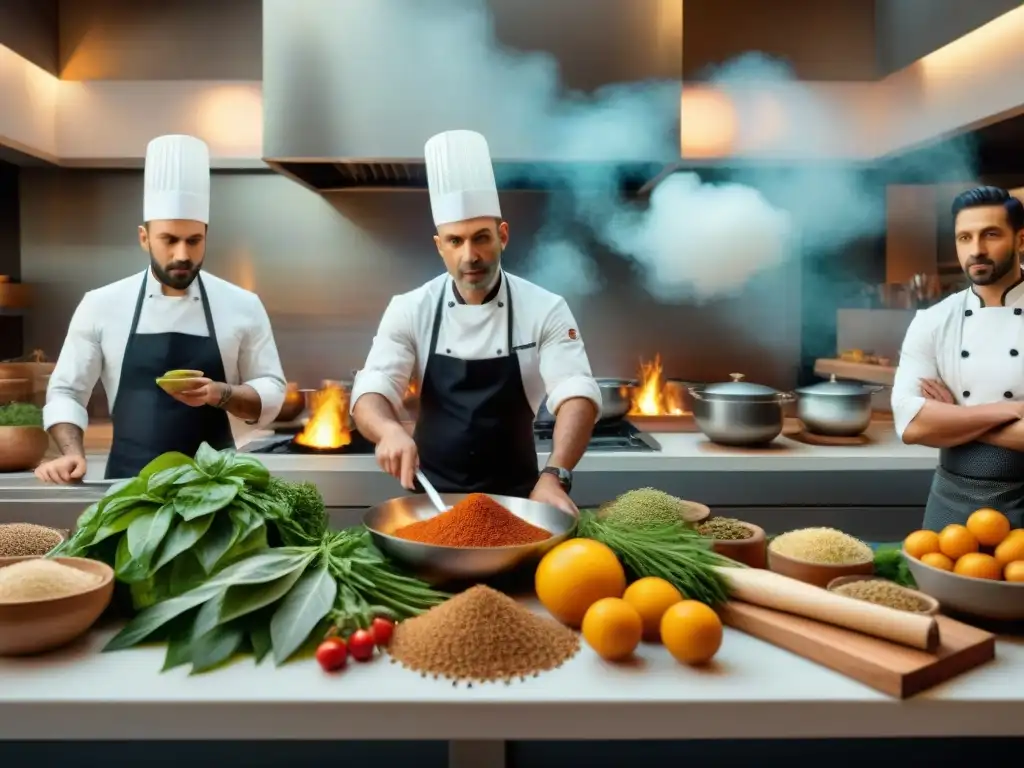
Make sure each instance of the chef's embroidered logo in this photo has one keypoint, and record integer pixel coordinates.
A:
(573, 335)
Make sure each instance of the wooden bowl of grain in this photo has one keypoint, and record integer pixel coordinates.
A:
(907, 599)
(45, 608)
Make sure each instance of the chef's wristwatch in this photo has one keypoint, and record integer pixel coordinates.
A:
(564, 476)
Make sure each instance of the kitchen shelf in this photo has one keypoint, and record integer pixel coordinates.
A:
(865, 372)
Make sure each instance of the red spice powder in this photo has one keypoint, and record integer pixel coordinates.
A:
(476, 521)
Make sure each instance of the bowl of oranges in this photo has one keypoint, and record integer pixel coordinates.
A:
(975, 569)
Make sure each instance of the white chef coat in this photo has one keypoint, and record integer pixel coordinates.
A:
(545, 338)
(98, 335)
(977, 351)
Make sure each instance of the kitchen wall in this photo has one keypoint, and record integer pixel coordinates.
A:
(326, 269)
(29, 28)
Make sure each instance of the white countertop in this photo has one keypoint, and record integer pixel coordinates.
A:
(753, 690)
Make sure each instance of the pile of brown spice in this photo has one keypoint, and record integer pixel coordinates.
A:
(882, 592)
(27, 539)
(476, 521)
(481, 635)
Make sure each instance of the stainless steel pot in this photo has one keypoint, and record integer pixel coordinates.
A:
(616, 399)
(835, 408)
(739, 412)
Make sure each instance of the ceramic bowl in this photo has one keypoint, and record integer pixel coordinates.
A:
(931, 603)
(43, 625)
(175, 386)
(818, 574)
(22, 448)
(752, 551)
(980, 598)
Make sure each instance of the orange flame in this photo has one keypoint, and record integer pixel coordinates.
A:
(652, 397)
(327, 427)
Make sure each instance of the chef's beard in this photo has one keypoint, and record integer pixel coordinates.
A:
(176, 283)
(997, 269)
(484, 282)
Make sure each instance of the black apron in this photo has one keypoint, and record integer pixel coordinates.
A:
(973, 476)
(474, 432)
(147, 421)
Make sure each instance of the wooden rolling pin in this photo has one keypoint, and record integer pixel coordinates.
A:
(773, 590)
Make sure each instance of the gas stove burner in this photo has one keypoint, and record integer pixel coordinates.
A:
(284, 445)
(612, 436)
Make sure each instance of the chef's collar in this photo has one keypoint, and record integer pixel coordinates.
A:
(1010, 297)
(155, 288)
(490, 296)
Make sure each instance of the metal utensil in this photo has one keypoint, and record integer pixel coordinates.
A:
(616, 399)
(431, 491)
(835, 408)
(739, 412)
(436, 563)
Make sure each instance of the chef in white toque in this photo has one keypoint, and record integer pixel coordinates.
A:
(129, 333)
(486, 346)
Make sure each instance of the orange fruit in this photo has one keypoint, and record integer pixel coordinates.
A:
(937, 560)
(1011, 548)
(651, 597)
(921, 543)
(575, 575)
(988, 526)
(612, 627)
(978, 566)
(955, 541)
(1014, 571)
(691, 632)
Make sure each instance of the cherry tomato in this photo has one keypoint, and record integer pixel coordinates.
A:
(332, 654)
(360, 645)
(382, 629)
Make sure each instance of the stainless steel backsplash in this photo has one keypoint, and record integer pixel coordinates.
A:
(326, 268)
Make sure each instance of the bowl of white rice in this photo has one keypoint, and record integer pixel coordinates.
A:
(819, 555)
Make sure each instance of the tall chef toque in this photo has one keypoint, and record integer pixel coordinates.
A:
(460, 177)
(177, 182)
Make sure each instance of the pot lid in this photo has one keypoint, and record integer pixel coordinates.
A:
(833, 387)
(739, 389)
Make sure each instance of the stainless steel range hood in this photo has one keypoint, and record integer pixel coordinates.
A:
(349, 101)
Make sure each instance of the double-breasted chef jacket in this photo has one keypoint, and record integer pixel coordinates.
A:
(977, 351)
(98, 336)
(545, 339)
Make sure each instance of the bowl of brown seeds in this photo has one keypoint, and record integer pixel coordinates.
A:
(28, 539)
(741, 541)
(873, 589)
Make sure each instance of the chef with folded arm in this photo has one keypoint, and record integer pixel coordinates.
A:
(129, 333)
(959, 386)
(487, 347)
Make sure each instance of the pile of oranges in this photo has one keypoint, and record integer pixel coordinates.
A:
(984, 548)
(583, 585)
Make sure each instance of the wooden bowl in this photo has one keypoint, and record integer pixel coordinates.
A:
(43, 625)
(931, 603)
(752, 551)
(15, 391)
(818, 574)
(22, 448)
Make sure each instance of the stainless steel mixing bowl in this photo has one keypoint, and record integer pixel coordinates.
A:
(436, 563)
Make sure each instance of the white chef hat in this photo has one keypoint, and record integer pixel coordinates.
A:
(460, 177)
(177, 182)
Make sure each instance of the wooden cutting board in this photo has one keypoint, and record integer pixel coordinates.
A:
(888, 667)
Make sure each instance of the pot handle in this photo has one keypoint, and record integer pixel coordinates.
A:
(785, 397)
(695, 393)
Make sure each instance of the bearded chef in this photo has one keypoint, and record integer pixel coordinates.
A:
(960, 382)
(487, 347)
(129, 333)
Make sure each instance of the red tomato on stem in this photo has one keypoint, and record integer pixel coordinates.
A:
(332, 654)
(361, 644)
(382, 629)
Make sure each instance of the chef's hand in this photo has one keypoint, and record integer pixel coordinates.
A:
(62, 470)
(397, 455)
(934, 389)
(549, 491)
(205, 392)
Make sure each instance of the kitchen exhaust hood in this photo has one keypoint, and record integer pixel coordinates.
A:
(349, 101)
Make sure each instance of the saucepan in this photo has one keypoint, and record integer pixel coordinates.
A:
(739, 412)
(616, 399)
(835, 408)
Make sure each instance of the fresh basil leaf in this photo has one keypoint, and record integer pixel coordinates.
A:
(185, 573)
(211, 461)
(216, 647)
(162, 482)
(145, 535)
(152, 619)
(183, 536)
(179, 644)
(130, 487)
(244, 599)
(191, 476)
(302, 609)
(259, 636)
(217, 542)
(122, 558)
(194, 501)
(208, 615)
(247, 520)
(163, 462)
(250, 469)
(261, 567)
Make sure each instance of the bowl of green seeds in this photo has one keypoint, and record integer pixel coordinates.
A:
(736, 539)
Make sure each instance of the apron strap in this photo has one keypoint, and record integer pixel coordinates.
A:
(437, 324)
(207, 312)
(138, 313)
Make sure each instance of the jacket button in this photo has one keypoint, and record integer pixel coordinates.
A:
(968, 313)
(967, 393)
(1007, 394)
(447, 351)
(1014, 353)
(1017, 311)
(965, 353)
(499, 351)
(451, 303)
(501, 304)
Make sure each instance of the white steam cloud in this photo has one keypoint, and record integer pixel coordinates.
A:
(693, 241)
